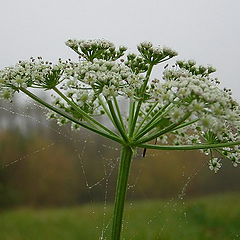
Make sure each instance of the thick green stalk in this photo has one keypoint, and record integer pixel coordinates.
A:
(121, 189)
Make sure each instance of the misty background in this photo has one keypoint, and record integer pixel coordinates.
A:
(44, 164)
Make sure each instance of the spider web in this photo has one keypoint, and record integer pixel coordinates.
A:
(109, 168)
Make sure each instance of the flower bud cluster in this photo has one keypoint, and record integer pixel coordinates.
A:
(155, 55)
(191, 67)
(100, 49)
(137, 63)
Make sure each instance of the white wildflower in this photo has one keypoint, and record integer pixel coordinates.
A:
(215, 164)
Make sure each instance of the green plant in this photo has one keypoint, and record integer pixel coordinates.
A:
(185, 110)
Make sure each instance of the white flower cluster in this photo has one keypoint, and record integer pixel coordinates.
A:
(82, 82)
(212, 109)
(107, 77)
(232, 154)
(33, 73)
(89, 44)
(91, 49)
(188, 106)
(199, 96)
(155, 54)
(215, 164)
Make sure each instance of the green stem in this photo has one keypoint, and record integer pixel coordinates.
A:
(116, 121)
(144, 86)
(37, 99)
(85, 115)
(131, 112)
(153, 122)
(118, 112)
(146, 117)
(142, 91)
(104, 106)
(165, 130)
(189, 147)
(121, 189)
(186, 124)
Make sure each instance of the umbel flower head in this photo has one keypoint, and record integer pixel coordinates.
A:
(184, 109)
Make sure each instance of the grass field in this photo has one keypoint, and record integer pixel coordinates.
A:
(214, 217)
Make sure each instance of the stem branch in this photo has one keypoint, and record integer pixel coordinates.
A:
(189, 147)
(37, 99)
(142, 91)
(85, 115)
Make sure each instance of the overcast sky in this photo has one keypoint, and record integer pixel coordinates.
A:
(205, 30)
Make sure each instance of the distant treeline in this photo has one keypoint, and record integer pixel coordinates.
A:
(42, 164)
